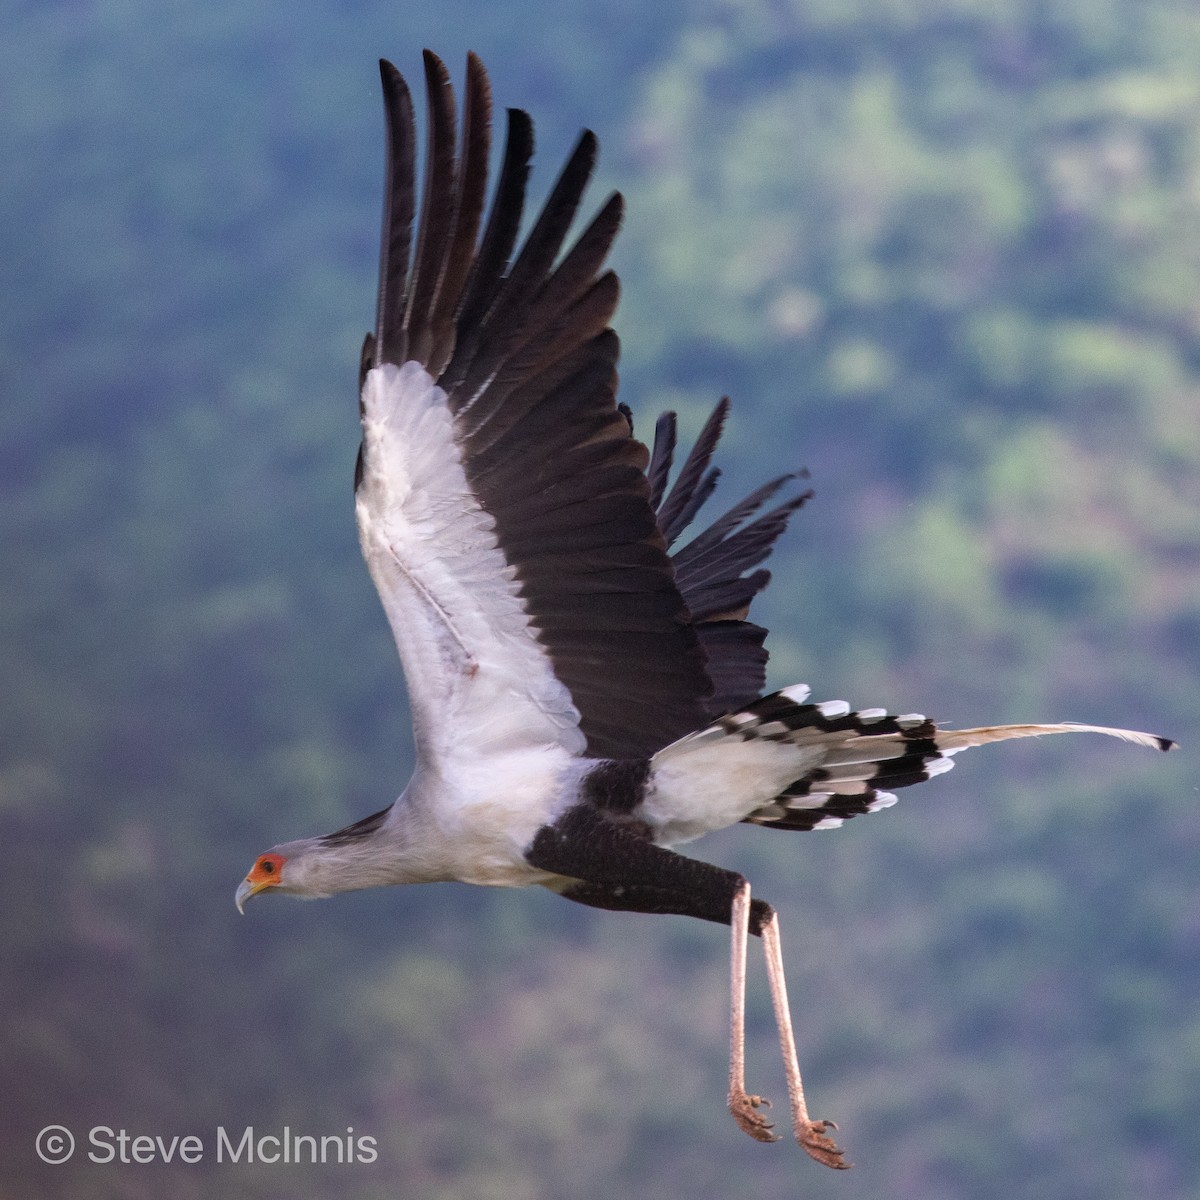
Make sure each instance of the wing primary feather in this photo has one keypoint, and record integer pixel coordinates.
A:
(661, 457)
(694, 478)
(744, 549)
(399, 199)
(495, 250)
(695, 502)
(580, 265)
(550, 229)
(484, 424)
(572, 306)
(723, 525)
(532, 372)
(471, 193)
(511, 316)
(437, 211)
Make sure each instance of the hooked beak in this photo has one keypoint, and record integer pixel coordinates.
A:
(246, 889)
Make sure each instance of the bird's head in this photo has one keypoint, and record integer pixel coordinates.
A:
(268, 872)
(362, 855)
(293, 868)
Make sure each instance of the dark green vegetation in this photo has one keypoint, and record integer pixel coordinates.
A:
(946, 254)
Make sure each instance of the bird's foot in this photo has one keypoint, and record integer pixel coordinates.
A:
(817, 1144)
(744, 1109)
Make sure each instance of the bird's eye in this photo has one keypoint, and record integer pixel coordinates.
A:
(267, 866)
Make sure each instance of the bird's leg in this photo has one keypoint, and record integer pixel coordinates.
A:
(610, 865)
(809, 1133)
(742, 1105)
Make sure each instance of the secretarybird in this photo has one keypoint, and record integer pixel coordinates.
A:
(583, 698)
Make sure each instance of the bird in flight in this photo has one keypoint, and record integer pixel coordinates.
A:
(585, 696)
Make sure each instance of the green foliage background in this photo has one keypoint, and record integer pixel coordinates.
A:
(944, 253)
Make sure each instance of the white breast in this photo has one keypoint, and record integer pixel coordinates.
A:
(480, 815)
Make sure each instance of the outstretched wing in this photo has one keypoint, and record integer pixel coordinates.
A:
(502, 501)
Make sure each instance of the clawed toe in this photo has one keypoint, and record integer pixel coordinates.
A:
(817, 1144)
(744, 1109)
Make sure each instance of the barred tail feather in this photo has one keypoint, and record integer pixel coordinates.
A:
(785, 763)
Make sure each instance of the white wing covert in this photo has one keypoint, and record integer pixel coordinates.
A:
(475, 671)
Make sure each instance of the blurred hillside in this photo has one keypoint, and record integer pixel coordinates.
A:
(943, 253)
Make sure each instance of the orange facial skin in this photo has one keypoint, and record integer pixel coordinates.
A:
(266, 872)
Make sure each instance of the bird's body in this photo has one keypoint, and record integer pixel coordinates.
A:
(584, 697)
